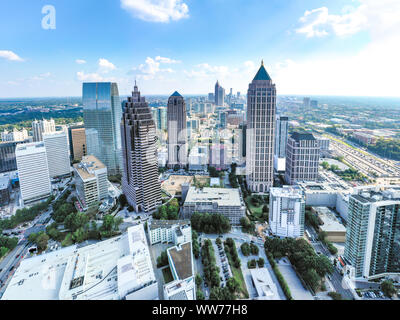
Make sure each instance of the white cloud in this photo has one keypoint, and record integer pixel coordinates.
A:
(167, 60)
(9, 55)
(91, 77)
(80, 61)
(151, 69)
(106, 66)
(157, 10)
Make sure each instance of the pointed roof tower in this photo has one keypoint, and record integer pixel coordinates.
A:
(176, 94)
(262, 74)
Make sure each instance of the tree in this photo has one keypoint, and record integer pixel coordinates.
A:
(122, 200)
(41, 241)
(245, 248)
(335, 295)
(388, 288)
(199, 295)
(254, 249)
(199, 280)
(261, 262)
(218, 241)
(311, 277)
(233, 285)
(251, 264)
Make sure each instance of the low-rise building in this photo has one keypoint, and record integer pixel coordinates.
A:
(169, 231)
(227, 202)
(183, 286)
(331, 225)
(91, 181)
(119, 268)
(264, 285)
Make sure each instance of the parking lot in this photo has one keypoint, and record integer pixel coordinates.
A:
(222, 262)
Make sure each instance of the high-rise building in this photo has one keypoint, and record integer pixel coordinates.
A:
(102, 111)
(218, 156)
(313, 103)
(140, 181)
(219, 95)
(8, 161)
(242, 144)
(91, 181)
(302, 158)
(33, 171)
(306, 102)
(373, 232)
(15, 135)
(281, 137)
(92, 141)
(287, 212)
(261, 118)
(177, 136)
(39, 127)
(77, 142)
(160, 117)
(57, 152)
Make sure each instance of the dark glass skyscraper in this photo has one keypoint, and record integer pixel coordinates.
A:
(102, 111)
(140, 181)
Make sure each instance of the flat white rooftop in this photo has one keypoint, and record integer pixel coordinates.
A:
(224, 197)
(265, 286)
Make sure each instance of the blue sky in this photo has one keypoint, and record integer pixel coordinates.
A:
(309, 47)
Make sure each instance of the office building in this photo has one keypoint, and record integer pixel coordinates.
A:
(15, 135)
(91, 181)
(77, 142)
(181, 264)
(219, 95)
(57, 152)
(5, 190)
(287, 212)
(169, 231)
(218, 156)
(333, 228)
(227, 202)
(198, 158)
(373, 232)
(302, 158)
(313, 103)
(281, 137)
(8, 161)
(242, 137)
(119, 268)
(177, 135)
(140, 181)
(260, 133)
(160, 118)
(39, 127)
(33, 171)
(211, 97)
(102, 112)
(306, 102)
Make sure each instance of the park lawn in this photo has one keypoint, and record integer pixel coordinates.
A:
(255, 211)
(167, 275)
(238, 275)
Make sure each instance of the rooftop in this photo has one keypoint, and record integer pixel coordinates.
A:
(29, 148)
(176, 94)
(330, 222)
(302, 136)
(265, 286)
(155, 224)
(87, 167)
(222, 196)
(262, 74)
(287, 192)
(182, 260)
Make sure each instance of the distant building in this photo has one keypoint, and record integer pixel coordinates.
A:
(177, 136)
(306, 102)
(140, 181)
(227, 202)
(102, 111)
(242, 144)
(160, 118)
(313, 103)
(302, 158)
(219, 95)
(218, 156)
(91, 181)
(373, 232)
(57, 152)
(287, 212)
(42, 126)
(33, 171)
(8, 160)
(198, 158)
(169, 231)
(260, 133)
(15, 135)
(183, 286)
(281, 138)
(77, 142)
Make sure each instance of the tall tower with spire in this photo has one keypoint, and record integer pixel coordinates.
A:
(140, 181)
(219, 94)
(177, 137)
(261, 119)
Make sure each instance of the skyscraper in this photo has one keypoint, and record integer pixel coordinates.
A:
(33, 171)
(302, 158)
(281, 137)
(219, 95)
(42, 126)
(373, 232)
(140, 181)
(177, 136)
(102, 111)
(57, 152)
(261, 118)
(77, 142)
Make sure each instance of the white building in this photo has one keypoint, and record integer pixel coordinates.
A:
(33, 171)
(224, 201)
(91, 181)
(115, 269)
(181, 264)
(264, 285)
(42, 126)
(169, 231)
(15, 135)
(287, 212)
(198, 158)
(57, 150)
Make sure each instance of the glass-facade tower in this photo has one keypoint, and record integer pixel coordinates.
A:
(102, 111)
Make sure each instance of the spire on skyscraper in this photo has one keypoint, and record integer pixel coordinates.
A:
(262, 74)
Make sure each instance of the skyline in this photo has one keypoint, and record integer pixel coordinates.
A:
(318, 48)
